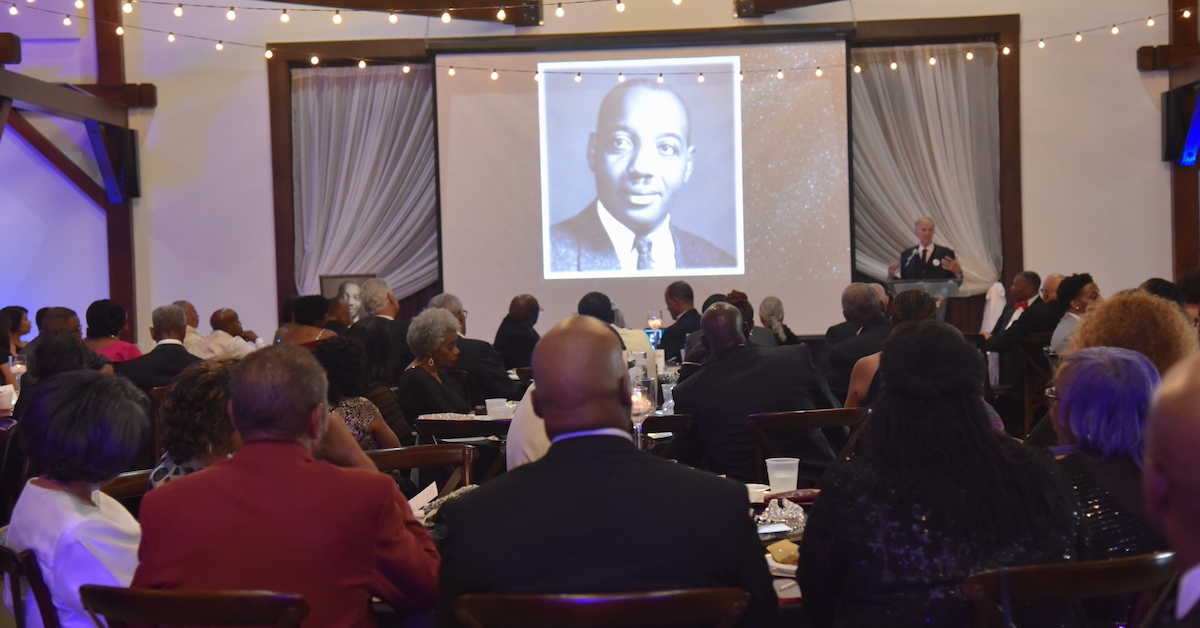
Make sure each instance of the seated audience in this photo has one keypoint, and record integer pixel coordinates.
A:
(228, 340)
(1164, 289)
(681, 306)
(1077, 293)
(600, 495)
(846, 330)
(58, 352)
(18, 327)
(378, 301)
(912, 305)
(374, 334)
(741, 379)
(486, 376)
(861, 308)
(168, 358)
(106, 319)
(1141, 322)
(598, 305)
(1189, 284)
(694, 351)
(1040, 317)
(423, 389)
(196, 431)
(760, 336)
(770, 313)
(6, 375)
(192, 336)
(344, 361)
(310, 314)
(79, 429)
(516, 337)
(1049, 291)
(934, 495)
(338, 321)
(60, 320)
(526, 440)
(287, 318)
(313, 515)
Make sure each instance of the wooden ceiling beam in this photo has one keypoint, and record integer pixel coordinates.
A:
(57, 158)
(30, 93)
(143, 95)
(10, 48)
(759, 8)
(518, 12)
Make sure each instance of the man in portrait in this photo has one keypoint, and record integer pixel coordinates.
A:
(641, 154)
(351, 293)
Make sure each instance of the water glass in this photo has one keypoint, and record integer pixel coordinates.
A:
(18, 365)
(643, 396)
(654, 319)
(782, 473)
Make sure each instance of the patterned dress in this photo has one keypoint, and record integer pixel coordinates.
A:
(357, 413)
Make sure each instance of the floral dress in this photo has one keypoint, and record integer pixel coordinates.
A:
(357, 413)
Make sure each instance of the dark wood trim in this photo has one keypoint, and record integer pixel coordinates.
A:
(57, 158)
(1185, 180)
(136, 95)
(298, 54)
(30, 93)
(110, 47)
(5, 109)
(519, 12)
(10, 48)
(279, 93)
(759, 8)
(936, 30)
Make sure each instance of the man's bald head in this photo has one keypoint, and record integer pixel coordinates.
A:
(1171, 476)
(525, 309)
(581, 379)
(226, 320)
(1050, 287)
(722, 326)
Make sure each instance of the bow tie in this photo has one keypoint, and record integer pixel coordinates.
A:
(1020, 305)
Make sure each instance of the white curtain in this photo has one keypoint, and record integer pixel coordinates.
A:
(927, 143)
(365, 175)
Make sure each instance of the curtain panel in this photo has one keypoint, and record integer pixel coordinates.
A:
(365, 174)
(927, 143)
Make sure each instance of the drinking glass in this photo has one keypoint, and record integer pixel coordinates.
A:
(643, 394)
(654, 319)
(18, 365)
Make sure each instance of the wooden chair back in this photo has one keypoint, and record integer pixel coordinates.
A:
(14, 468)
(128, 485)
(710, 608)
(157, 395)
(768, 426)
(120, 607)
(1036, 367)
(1062, 582)
(460, 458)
(525, 374)
(679, 425)
(24, 565)
(433, 430)
(10, 566)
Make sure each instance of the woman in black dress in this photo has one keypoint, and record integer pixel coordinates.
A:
(433, 338)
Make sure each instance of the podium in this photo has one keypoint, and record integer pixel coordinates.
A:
(941, 289)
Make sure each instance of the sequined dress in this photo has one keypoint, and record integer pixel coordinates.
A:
(357, 413)
(869, 560)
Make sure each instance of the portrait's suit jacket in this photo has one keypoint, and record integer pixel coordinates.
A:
(486, 376)
(515, 343)
(748, 380)
(158, 367)
(675, 336)
(1040, 318)
(581, 243)
(911, 266)
(843, 356)
(579, 520)
(272, 518)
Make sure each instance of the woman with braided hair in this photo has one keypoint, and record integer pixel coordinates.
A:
(770, 313)
(934, 495)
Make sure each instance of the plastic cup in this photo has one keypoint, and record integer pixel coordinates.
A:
(757, 492)
(782, 473)
(497, 407)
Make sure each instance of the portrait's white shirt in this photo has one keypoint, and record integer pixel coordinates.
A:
(662, 245)
(220, 344)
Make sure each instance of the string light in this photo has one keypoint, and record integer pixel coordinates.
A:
(171, 37)
(1041, 43)
(120, 30)
(578, 77)
(362, 64)
(13, 10)
(741, 77)
(677, 2)
(820, 73)
(660, 78)
(970, 55)
(127, 6)
(446, 16)
(178, 11)
(620, 77)
(315, 60)
(66, 20)
(895, 66)
(501, 14)
(932, 60)
(392, 17)
(1187, 14)
(1150, 21)
(231, 15)
(1115, 30)
(620, 6)
(857, 69)
(559, 12)
(406, 69)
(495, 75)
(268, 54)
(1078, 36)
(537, 77)
(79, 4)
(1006, 50)
(779, 74)
(337, 17)
(700, 79)
(220, 45)
(450, 71)
(284, 17)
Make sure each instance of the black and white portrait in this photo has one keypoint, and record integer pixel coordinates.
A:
(641, 168)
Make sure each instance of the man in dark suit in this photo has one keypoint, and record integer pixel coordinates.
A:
(168, 358)
(568, 522)
(1171, 480)
(680, 303)
(1039, 318)
(641, 155)
(516, 337)
(486, 375)
(378, 300)
(739, 380)
(861, 307)
(1023, 294)
(926, 260)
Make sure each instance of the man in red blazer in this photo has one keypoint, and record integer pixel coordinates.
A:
(300, 509)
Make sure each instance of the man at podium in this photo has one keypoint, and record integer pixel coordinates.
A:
(926, 260)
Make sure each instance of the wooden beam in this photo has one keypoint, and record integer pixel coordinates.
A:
(759, 8)
(5, 109)
(519, 12)
(937, 30)
(279, 96)
(134, 95)
(57, 158)
(1153, 58)
(30, 93)
(1185, 180)
(1012, 239)
(104, 153)
(10, 48)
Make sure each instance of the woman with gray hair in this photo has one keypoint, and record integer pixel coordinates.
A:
(770, 312)
(433, 338)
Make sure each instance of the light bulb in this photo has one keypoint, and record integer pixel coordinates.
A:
(857, 69)
(406, 69)
(578, 77)
(231, 15)
(446, 17)
(1006, 50)
(13, 10)
(337, 17)
(284, 17)
(127, 7)
(820, 72)
(66, 20)
(362, 64)
(741, 77)
(660, 78)
(559, 12)
(1041, 43)
(932, 60)
(677, 2)
(970, 55)
(700, 79)
(620, 6)
(620, 77)
(268, 54)
(392, 17)
(220, 45)
(779, 74)
(1186, 14)
(495, 75)
(1115, 30)
(501, 14)
(895, 66)
(171, 37)
(1078, 36)
(315, 60)
(1150, 21)
(120, 29)
(79, 4)
(178, 11)
(537, 76)
(450, 71)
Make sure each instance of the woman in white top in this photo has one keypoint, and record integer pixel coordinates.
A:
(79, 429)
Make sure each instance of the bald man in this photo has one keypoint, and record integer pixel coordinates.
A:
(641, 155)
(568, 523)
(228, 340)
(1171, 478)
(516, 337)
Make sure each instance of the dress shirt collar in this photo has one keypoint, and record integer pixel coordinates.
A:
(168, 341)
(1073, 315)
(662, 245)
(385, 317)
(1189, 592)
(604, 431)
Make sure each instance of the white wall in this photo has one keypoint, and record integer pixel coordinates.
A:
(1096, 196)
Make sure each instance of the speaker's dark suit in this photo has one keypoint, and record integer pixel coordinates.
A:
(597, 516)
(486, 375)
(581, 243)
(911, 266)
(515, 342)
(402, 356)
(1040, 318)
(675, 336)
(748, 380)
(843, 356)
(158, 367)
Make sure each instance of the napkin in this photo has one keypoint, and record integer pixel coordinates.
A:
(424, 497)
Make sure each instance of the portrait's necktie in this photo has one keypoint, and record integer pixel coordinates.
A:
(642, 245)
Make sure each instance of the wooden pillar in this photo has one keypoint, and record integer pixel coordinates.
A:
(1185, 180)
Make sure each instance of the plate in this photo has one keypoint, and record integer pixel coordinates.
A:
(779, 569)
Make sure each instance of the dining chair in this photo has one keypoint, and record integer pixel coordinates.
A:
(24, 565)
(988, 602)
(525, 374)
(679, 425)
(120, 607)
(770, 428)
(14, 468)
(694, 608)
(157, 395)
(459, 457)
(1036, 367)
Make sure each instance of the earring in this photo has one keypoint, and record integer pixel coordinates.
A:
(431, 362)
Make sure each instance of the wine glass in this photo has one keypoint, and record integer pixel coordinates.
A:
(643, 395)
(18, 365)
(654, 319)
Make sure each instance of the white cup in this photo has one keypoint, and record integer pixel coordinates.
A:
(782, 473)
(497, 408)
(757, 492)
